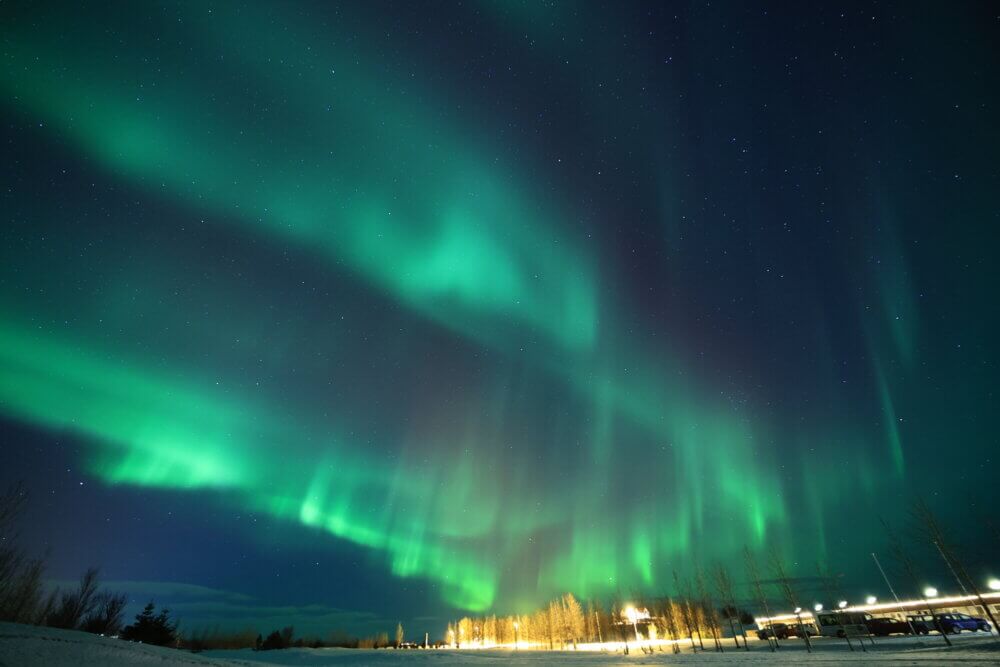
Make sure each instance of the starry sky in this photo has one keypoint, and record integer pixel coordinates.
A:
(344, 313)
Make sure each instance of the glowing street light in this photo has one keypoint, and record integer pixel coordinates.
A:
(994, 584)
(871, 599)
(930, 592)
(818, 607)
(633, 616)
(842, 604)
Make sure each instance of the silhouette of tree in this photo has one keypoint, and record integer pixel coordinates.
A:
(152, 628)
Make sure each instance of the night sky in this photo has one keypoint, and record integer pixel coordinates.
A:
(346, 314)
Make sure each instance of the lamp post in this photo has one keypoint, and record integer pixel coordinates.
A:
(632, 615)
(930, 593)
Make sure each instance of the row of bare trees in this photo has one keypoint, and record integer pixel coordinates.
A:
(704, 610)
(23, 597)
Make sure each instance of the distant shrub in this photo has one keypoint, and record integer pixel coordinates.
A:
(152, 628)
(278, 639)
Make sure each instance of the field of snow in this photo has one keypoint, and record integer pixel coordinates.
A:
(27, 646)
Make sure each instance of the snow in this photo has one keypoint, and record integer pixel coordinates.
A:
(31, 646)
(27, 646)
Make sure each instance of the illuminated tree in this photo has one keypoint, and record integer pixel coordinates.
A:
(490, 630)
(541, 627)
(672, 616)
(465, 633)
(555, 623)
(573, 617)
(399, 635)
(710, 614)
(687, 612)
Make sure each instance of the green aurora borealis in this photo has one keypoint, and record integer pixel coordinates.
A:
(339, 290)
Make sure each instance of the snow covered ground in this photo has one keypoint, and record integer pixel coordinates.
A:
(26, 646)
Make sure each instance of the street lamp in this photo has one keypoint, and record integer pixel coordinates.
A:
(994, 584)
(871, 599)
(930, 592)
(842, 604)
(818, 607)
(633, 616)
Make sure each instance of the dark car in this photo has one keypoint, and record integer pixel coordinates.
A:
(922, 623)
(786, 631)
(950, 623)
(806, 629)
(883, 626)
(776, 630)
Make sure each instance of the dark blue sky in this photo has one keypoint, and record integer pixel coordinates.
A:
(349, 314)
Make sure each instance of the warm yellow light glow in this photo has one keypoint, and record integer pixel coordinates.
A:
(955, 600)
(631, 614)
(818, 607)
(804, 616)
(994, 584)
(871, 599)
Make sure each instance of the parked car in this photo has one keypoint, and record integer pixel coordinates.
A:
(786, 631)
(922, 623)
(806, 629)
(776, 630)
(955, 623)
(950, 623)
(883, 626)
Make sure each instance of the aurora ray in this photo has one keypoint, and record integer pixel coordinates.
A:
(294, 268)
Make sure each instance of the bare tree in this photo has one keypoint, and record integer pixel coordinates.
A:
(75, 605)
(107, 614)
(22, 598)
(711, 614)
(784, 584)
(832, 587)
(724, 585)
(754, 576)
(687, 612)
(931, 529)
(573, 618)
(897, 551)
(670, 616)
